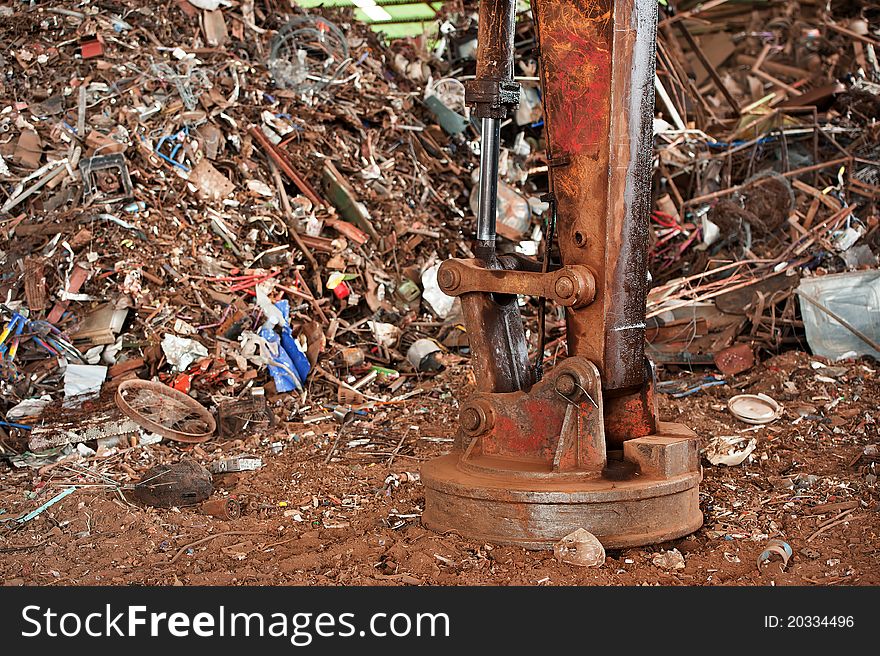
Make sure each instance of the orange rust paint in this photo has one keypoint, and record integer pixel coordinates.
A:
(530, 430)
(579, 72)
(576, 45)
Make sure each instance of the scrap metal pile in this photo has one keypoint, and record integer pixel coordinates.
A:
(768, 162)
(222, 219)
(218, 220)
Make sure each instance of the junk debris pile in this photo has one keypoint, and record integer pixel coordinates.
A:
(223, 223)
(218, 222)
(768, 173)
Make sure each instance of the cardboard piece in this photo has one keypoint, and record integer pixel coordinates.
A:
(212, 184)
(214, 27)
(28, 150)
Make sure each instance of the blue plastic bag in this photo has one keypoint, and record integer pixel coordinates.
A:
(290, 345)
(283, 370)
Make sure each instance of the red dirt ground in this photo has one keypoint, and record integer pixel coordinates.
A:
(308, 523)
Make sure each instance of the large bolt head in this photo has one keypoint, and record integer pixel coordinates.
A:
(447, 278)
(471, 419)
(565, 287)
(476, 417)
(566, 384)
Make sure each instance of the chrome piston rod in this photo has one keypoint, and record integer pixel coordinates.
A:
(490, 149)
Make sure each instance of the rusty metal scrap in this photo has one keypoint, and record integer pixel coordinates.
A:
(185, 483)
(165, 411)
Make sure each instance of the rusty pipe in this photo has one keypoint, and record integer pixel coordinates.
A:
(597, 68)
(627, 277)
(495, 39)
(278, 155)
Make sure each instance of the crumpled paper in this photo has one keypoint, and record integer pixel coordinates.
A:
(82, 382)
(580, 548)
(385, 333)
(671, 559)
(182, 352)
(437, 300)
(729, 450)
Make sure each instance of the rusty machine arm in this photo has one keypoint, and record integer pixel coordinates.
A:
(580, 447)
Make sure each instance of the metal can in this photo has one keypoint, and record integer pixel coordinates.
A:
(352, 356)
(221, 508)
